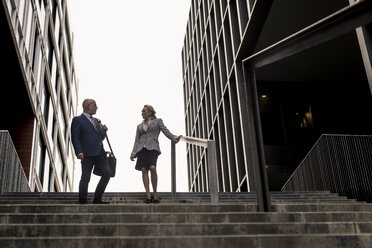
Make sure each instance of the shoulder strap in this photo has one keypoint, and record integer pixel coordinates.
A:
(108, 141)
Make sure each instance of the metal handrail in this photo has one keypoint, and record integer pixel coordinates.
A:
(195, 141)
(338, 163)
(211, 164)
(12, 175)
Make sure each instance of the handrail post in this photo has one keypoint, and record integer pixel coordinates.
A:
(173, 167)
(212, 171)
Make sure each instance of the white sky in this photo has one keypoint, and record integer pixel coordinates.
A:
(127, 54)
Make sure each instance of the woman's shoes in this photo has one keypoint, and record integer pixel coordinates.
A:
(152, 200)
(155, 200)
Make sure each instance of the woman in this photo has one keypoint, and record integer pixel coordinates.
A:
(146, 149)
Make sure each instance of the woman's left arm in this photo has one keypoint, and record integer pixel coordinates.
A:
(166, 132)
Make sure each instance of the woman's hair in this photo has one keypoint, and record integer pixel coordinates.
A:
(152, 110)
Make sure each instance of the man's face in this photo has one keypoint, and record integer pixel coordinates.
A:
(92, 108)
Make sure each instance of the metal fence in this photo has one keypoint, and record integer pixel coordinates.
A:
(338, 163)
(12, 176)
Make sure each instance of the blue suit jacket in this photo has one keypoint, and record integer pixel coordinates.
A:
(85, 138)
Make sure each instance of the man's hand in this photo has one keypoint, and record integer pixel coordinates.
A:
(80, 156)
(103, 127)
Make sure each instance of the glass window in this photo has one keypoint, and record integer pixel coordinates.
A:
(54, 71)
(56, 84)
(60, 44)
(50, 49)
(64, 78)
(45, 181)
(57, 27)
(42, 16)
(67, 39)
(62, 122)
(38, 158)
(51, 128)
(45, 101)
(58, 161)
(51, 180)
(40, 164)
(33, 40)
(21, 9)
(37, 65)
(35, 52)
(28, 24)
(73, 92)
(70, 112)
(54, 8)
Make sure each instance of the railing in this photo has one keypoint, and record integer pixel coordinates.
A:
(12, 176)
(211, 164)
(338, 163)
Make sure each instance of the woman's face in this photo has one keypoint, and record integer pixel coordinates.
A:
(146, 114)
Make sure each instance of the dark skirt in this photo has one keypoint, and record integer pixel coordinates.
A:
(146, 158)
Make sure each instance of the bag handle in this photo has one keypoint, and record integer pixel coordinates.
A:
(108, 141)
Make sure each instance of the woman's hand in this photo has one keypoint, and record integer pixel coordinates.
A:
(132, 157)
(178, 139)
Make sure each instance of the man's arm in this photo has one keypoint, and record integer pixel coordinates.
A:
(102, 128)
(75, 136)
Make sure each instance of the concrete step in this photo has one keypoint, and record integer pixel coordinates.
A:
(138, 197)
(191, 217)
(299, 219)
(231, 241)
(177, 196)
(119, 201)
(129, 208)
(185, 207)
(321, 207)
(181, 229)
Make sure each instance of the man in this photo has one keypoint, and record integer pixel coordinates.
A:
(87, 134)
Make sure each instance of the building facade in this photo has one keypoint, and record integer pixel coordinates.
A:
(264, 79)
(39, 89)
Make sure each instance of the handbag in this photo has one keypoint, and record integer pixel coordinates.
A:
(111, 160)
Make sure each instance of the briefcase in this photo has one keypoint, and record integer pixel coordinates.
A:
(111, 160)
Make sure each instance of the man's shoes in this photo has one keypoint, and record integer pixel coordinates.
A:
(156, 201)
(99, 201)
(147, 201)
(83, 202)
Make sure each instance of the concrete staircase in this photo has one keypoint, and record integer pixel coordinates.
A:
(298, 219)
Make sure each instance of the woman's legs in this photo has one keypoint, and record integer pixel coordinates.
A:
(145, 179)
(154, 181)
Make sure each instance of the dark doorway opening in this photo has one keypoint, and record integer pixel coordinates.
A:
(17, 115)
(323, 90)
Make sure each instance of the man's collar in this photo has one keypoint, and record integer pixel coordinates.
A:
(87, 115)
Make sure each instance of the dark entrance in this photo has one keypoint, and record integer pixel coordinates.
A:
(17, 116)
(320, 90)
